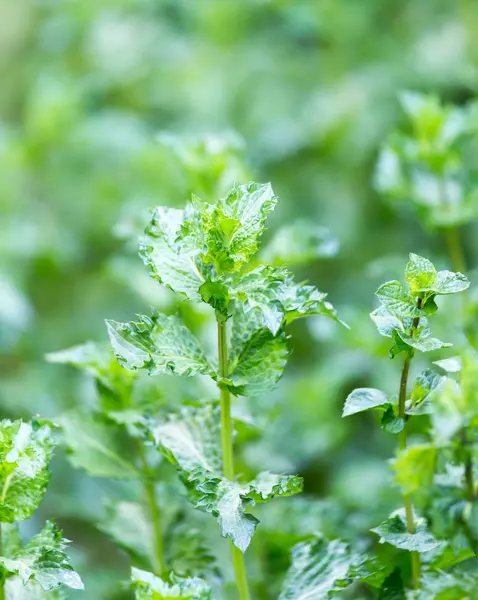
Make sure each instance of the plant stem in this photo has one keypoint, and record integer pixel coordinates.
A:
(455, 248)
(150, 493)
(227, 453)
(2, 572)
(402, 443)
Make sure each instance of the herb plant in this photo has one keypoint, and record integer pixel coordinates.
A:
(205, 253)
(40, 568)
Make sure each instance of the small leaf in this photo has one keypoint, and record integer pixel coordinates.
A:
(161, 344)
(299, 243)
(394, 531)
(167, 261)
(422, 342)
(448, 282)
(420, 274)
(397, 300)
(43, 560)
(427, 384)
(391, 422)
(149, 587)
(25, 452)
(364, 399)
(415, 467)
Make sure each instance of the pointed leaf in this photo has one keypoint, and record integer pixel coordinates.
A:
(43, 560)
(420, 273)
(363, 399)
(394, 531)
(25, 451)
(161, 344)
(422, 342)
(397, 300)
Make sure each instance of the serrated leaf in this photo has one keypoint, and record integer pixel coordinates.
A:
(25, 452)
(322, 569)
(147, 586)
(43, 560)
(426, 385)
(257, 359)
(298, 243)
(191, 439)
(168, 262)
(414, 467)
(364, 399)
(397, 300)
(302, 300)
(394, 531)
(420, 273)
(161, 344)
(91, 446)
(448, 282)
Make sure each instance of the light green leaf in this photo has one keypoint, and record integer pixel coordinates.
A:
(299, 243)
(149, 587)
(43, 560)
(414, 467)
(364, 399)
(191, 439)
(387, 323)
(161, 344)
(15, 590)
(427, 384)
(322, 569)
(92, 446)
(25, 451)
(394, 531)
(301, 300)
(420, 273)
(258, 358)
(448, 282)
(168, 261)
(453, 364)
(397, 300)
(447, 586)
(423, 342)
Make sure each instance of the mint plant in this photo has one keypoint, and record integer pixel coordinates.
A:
(205, 253)
(40, 568)
(403, 317)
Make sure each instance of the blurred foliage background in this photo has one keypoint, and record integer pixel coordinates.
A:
(110, 108)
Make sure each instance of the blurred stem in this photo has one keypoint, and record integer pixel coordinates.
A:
(455, 249)
(402, 444)
(227, 453)
(152, 500)
(2, 572)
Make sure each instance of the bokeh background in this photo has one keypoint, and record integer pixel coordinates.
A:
(110, 108)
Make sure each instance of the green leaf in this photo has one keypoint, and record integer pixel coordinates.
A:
(258, 358)
(420, 273)
(415, 467)
(391, 422)
(427, 384)
(25, 451)
(364, 399)
(321, 569)
(394, 531)
(448, 282)
(447, 586)
(161, 344)
(43, 560)
(91, 446)
(397, 300)
(191, 439)
(228, 500)
(422, 342)
(15, 590)
(302, 300)
(147, 586)
(299, 243)
(393, 588)
(453, 364)
(168, 262)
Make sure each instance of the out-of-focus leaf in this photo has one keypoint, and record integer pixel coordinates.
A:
(25, 452)
(298, 243)
(450, 365)
(147, 586)
(415, 467)
(322, 569)
(426, 386)
(92, 446)
(161, 344)
(44, 561)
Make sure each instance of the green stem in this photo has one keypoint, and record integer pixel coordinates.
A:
(402, 443)
(455, 248)
(227, 453)
(2, 572)
(150, 493)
